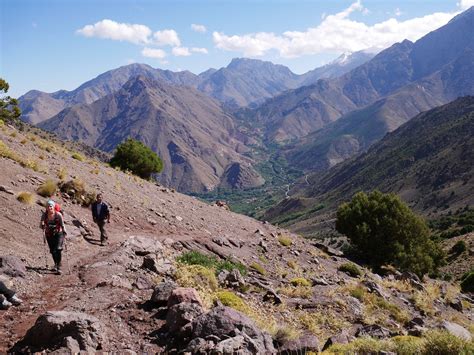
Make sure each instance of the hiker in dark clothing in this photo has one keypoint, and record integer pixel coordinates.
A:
(53, 225)
(101, 214)
(8, 297)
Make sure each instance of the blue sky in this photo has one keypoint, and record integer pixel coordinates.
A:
(50, 45)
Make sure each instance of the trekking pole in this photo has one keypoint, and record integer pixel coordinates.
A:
(44, 250)
(67, 256)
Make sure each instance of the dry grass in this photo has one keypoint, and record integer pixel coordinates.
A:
(285, 241)
(296, 291)
(258, 268)
(424, 300)
(48, 188)
(26, 197)
(62, 173)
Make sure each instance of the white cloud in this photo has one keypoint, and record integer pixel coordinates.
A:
(153, 53)
(465, 4)
(336, 33)
(199, 50)
(198, 28)
(109, 29)
(181, 51)
(166, 38)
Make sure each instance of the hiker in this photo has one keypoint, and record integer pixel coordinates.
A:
(53, 225)
(100, 214)
(8, 297)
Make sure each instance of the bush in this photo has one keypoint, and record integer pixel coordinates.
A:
(138, 158)
(230, 299)
(467, 282)
(383, 230)
(77, 156)
(459, 248)
(443, 342)
(300, 281)
(285, 241)
(350, 269)
(259, 268)
(77, 190)
(197, 258)
(25, 197)
(47, 189)
(196, 276)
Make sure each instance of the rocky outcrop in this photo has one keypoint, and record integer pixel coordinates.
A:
(68, 331)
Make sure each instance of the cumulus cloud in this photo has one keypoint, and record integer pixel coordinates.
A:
(465, 4)
(336, 33)
(181, 51)
(199, 50)
(153, 53)
(108, 29)
(166, 38)
(198, 28)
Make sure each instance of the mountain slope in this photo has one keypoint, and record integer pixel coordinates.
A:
(189, 131)
(388, 72)
(429, 162)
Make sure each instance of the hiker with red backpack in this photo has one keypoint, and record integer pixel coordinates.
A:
(53, 225)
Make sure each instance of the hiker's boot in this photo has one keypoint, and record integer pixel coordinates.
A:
(57, 269)
(5, 304)
(15, 300)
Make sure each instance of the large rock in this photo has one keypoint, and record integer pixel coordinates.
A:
(143, 245)
(12, 266)
(162, 292)
(182, 294)
(342, 338)
(55, 330)
(373, 331)
(305, 343)
(181, 314)
(223, 323)
(456, 329)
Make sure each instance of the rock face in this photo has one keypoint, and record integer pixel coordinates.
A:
(70, 331)
(12, 266)
(239, 176)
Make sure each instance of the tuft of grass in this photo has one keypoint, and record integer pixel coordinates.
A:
(77, 190)
(199, 277)
(300, 281)
(443, 342)
(230, 299)
(77, 156)
(62, 173)
(285, 241)
(296, 291)
(258, 268)
(351, 269)
(26, 197)
(47, 189)
(23, 141)
(424, 300)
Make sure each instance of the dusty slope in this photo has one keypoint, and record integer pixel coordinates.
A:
(109, 283)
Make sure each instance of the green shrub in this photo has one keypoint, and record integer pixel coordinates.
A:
(285, 241)
(197, 258)
(351, 269)
(47, 189)
(358, 292)
(467, 282)
(459, 248)
(77, 156)
(138, 158)
(408, 345)
(196, 276)
(383, 230)
(25, 197)
(300, 281)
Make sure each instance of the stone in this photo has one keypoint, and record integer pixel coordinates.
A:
(181, 314)
(143, 245)
(162, 292)
(456, 304)
(342, 338)
(456, 330)
(57, 329)
(305, 343)
(12, 266)
(374, 331)
(373, 287)
(319, 281)
(182, 294)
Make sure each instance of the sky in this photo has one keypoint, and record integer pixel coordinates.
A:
(50, 45)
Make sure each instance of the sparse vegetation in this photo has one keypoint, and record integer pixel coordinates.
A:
(284, 240)
(138, 158)
(300, 281)
(77, 156)
(382, 229)
(258, 268)
(351, 269)
(197, 258)
(77, 190)
(230, 299)
(459, 248)
(25, 197)
(62, 173)
(9, 110)
(48, 188)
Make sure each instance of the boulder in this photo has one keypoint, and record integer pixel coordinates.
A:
(12, 266)
(181, 314)
(342, 338)
(456, 329)
(162, 292)
(224, 323)
(374, 331)
(305, 343)
(159, 266)
(143, 245)
(182, 294)
(373, 287)
(63, 329)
